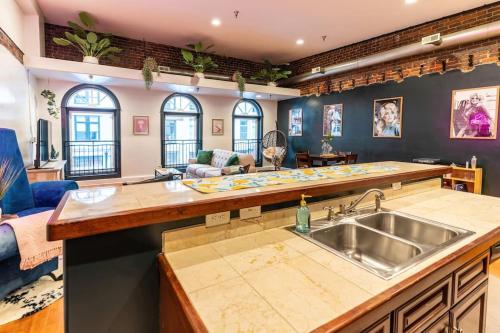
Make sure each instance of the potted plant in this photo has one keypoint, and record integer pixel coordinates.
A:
(238, 77)
(150, 65)
(326, 145)
(200, 61)
(271, 73)
(90, 44)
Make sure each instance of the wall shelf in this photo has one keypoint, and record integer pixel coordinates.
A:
(79, 72)
(472, 179)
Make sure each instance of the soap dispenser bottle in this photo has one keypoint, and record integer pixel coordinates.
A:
(303, 218)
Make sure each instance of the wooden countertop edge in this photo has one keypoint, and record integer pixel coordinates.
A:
(192, 315)
(481, 244)
(75, 228)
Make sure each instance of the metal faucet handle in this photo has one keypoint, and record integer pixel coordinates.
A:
(331, 212)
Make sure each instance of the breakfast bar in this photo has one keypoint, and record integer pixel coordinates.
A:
(115, 236)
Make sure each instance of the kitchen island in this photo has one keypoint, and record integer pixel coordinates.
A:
(112, 236)
(272, 280)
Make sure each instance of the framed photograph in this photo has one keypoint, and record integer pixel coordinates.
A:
(295, 122)
(388, 117)
(141, 125)
(332, 120)
(217, 126)
(474, 113)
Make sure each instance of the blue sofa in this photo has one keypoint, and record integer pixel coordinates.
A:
(23, 199)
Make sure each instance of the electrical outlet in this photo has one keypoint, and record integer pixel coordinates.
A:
(396, 186)
(213, 220)
(249, 213)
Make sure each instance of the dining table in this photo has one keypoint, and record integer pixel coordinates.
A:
(325, 158)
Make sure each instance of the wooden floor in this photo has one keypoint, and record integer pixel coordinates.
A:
(48, 320)
(51, 319)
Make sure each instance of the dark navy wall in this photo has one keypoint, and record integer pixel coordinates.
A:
(425, 128)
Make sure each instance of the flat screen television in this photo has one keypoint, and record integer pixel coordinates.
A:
(43, 143)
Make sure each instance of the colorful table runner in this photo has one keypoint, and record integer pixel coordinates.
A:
(252, 180)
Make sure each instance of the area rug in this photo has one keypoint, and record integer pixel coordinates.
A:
(238, 182)
(31, 298)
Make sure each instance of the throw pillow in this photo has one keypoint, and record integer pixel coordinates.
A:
(204, 156)
(233, 160)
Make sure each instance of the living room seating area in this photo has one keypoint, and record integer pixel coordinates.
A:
(215, 163)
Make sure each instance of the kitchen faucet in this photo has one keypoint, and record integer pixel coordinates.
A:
(351, 208)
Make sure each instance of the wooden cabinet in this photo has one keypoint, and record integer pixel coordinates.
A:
(442, 325)
(455, 304)
(50, 171)
(469, 276)
(425, 308)
(383, 326)
(469, 316)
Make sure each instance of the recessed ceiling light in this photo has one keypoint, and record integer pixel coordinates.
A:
(216, 22)
(410, 2)
(299, 42)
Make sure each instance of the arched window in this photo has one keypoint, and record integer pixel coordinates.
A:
(247, 129)
(181, 130)
(90, 120)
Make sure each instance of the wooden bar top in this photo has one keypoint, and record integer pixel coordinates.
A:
(97, 210)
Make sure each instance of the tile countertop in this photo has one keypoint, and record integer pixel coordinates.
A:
(275, 281)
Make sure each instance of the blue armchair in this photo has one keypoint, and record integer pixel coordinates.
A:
(23, 199)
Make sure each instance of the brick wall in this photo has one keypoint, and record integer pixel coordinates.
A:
(9, 44)
(135, 51)
(463, 57)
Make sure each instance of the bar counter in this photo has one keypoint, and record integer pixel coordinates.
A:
(105, 209)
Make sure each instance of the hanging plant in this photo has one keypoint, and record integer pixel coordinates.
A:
(271, 73)
(199, 61)
(88, 43)
(240, 80)
(51, 103)
(150, 65)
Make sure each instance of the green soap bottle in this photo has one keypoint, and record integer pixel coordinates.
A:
(303, 217)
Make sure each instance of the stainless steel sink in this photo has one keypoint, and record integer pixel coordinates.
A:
(385, 243)
(423, 232)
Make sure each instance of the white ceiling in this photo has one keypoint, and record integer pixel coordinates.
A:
(264, 28)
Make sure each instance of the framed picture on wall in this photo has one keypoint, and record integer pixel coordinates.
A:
(388, 117)
(474, 113)
(295, 122)
(332, 120)
(140, 125)
(217, 126)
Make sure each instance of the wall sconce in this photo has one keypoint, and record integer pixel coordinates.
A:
(317, 91)
(400, 74)
(383, 77)
(340, 86)
(421, 71)
(368, 79)
(353, 83)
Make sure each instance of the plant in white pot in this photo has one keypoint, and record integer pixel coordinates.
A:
(88, 43)
(200, 61)
(271, 73)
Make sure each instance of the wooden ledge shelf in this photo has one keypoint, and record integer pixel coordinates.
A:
(131, 207)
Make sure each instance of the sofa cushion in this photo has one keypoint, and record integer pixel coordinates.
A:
(233, 160)
(204, 156)
(191, 168)
(207, 172)
(220, 158)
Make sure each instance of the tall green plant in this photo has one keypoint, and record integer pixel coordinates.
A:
(271, 73)
(87, 42)
(200, 61)
(150, 65)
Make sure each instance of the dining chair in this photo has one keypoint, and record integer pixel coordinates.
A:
(303, 160)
